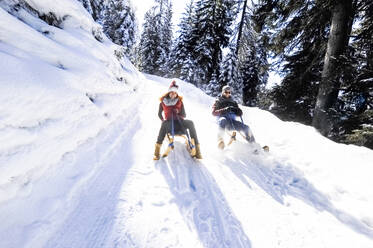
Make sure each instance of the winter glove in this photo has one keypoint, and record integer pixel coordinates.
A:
(225, 110)
(175, 111)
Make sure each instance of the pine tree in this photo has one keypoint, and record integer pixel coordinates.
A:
(98, 9)
(355, 100)
(330, 78)
(181, 62)
(120, 25)
(229, 74)
(340, 82)
(149, 43)
(87, 5)
(166, 39)
(364, 50)
(250, 80)
(213, 88)
(212, 29)
(244, 68)
(299, 53)
(156, 39)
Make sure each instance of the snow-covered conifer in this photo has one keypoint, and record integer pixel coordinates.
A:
(149, 43)
(87, 5)
(229, 74)
(156, 39)
(166, 38)
(120, 25)
(212, 29)
(183, 47)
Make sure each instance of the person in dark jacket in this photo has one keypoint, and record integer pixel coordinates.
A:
(172, 107)
(226, 110)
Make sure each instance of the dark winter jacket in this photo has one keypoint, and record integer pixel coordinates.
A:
(171, 108)
(223, 106)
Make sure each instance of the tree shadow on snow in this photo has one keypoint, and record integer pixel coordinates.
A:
(283, 180)
(200, 201)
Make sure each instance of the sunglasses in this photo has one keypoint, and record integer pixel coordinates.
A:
(227, 92)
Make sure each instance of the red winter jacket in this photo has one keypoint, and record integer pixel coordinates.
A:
(171, 107)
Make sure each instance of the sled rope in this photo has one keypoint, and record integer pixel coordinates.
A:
(172, 131)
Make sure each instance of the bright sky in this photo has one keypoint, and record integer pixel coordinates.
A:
(142, 6)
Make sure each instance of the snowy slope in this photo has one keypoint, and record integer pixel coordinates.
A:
(77, 133)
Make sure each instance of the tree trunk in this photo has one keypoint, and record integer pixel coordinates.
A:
(330, 83)
(241, 27)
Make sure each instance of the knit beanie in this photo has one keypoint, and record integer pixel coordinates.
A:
(226, 88)
(173, 87)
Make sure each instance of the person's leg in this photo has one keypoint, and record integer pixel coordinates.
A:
(246, 129)
(157, 151)
(223, 123)
(165, 127)
(188, 124)
(162, 133)
(249, 134)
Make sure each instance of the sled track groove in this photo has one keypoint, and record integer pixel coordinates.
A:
(90, 222)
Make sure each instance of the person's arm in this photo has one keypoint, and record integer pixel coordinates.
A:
(237, 110)
(160, 110)
(217, 110)
(182, 111)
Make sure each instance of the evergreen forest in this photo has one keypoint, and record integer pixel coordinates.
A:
(321, 52)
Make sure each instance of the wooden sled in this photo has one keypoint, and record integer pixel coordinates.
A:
(233, 137)
(190, 145)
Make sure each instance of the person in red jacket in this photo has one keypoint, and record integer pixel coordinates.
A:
(173, 108)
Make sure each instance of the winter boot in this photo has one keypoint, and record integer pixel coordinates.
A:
(249, 135)
(157, 151)
(198, 152)
(249, 139)
(221, 144)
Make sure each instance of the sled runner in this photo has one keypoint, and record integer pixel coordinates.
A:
(190, 145)
(233, 137)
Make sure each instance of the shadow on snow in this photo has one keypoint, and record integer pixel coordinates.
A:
(200, 201)
(283, 180)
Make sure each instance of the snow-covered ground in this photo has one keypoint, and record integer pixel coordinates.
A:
(78, 126)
